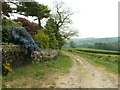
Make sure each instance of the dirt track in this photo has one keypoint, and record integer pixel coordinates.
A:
(82, 74)
(85, 75)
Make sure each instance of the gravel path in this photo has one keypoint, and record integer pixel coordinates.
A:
(85, 75)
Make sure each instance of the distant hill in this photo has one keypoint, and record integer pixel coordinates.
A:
(80, 41)
(107, 43)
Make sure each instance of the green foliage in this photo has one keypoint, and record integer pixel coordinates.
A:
(6, 31)
(8, 22)
(56, 40)
(50, 30)
(34, 9)
(53, 43)
(62, 42)
(42, 39)
(6, 35)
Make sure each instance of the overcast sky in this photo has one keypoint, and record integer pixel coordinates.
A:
(95, 18)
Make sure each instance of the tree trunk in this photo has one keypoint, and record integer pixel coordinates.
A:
(39, 22)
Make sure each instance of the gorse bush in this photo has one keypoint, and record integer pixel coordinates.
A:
(6, 68)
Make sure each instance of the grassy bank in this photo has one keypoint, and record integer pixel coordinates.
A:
(38, 71)
(110, 61)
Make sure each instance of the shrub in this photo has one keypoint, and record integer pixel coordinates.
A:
(53, 43)
(13, 54)
(29, 26)
(7, 35)
(6, 31)
(6, 68)
(8, 22)
(42, 39)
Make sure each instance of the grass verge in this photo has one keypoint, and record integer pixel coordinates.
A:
(38, 71)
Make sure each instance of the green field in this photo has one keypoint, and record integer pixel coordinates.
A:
(97, 51)
(106, 58)
(38, 71)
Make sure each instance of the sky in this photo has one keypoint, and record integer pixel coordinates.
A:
(94, 18)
